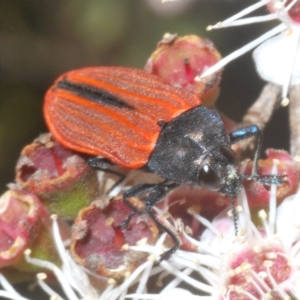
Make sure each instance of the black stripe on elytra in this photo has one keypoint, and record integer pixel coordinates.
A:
(93, 94)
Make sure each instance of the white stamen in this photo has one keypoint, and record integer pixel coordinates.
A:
(250, 296)
(276, 287)
(259, 280)
(245, 21)
(46, 288)
(203, 248)
(118, 291)
(171, 296)
(10, 292)
(120, 187)
(211, 277)
(219, 65)
(242, 200)
(263, 217)
(8, 295)
(58, 241)
(175, 282)
(290, 63)
(156, 270)
(290, 5)
(285, 101)
(161, 277)
(295, 249)
(123, 295)
(191, 281)
(250, 226)
(244, 12)
(208, 224)
(83, 285)
(107, 291)
(206, 260)
(186, 263)
(143, 280)
(257, 287)
(58, 273)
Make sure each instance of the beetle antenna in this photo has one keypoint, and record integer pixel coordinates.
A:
(235, 217)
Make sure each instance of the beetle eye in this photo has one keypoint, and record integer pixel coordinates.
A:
(209, 179)
(229, 154)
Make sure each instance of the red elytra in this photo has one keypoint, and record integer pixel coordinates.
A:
(113, 112)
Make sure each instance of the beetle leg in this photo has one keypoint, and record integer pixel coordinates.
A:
(100, 163)
(245, 133)
(103, 164)
(136, 191)
(158, 193)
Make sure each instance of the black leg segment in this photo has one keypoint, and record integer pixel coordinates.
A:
(100, 163)
(156, 192)
(248, 132)
(135, 191)
(103, 164)
(154, 197)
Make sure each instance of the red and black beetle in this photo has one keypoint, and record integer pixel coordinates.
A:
(134, 119)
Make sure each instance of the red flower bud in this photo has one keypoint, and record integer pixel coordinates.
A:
(179, 60)
(62, 180)
(101, 246)
(24, 224)
(258, 194)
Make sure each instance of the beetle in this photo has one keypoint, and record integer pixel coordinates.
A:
(134, 119)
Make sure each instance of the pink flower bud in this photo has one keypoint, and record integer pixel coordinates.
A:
(24, 223)
(258, 194)
(179, 60)
(102, 247)
(60, 178)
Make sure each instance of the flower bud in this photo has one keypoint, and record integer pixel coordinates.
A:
(258, 194)
(24, 224)
(101, 246)
(179, 60)
(62, 180)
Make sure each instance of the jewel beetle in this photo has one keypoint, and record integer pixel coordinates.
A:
(134, 119)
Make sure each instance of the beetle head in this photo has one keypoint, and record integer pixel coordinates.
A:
(219, 172)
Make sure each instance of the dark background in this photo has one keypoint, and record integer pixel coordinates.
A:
(40, 39)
